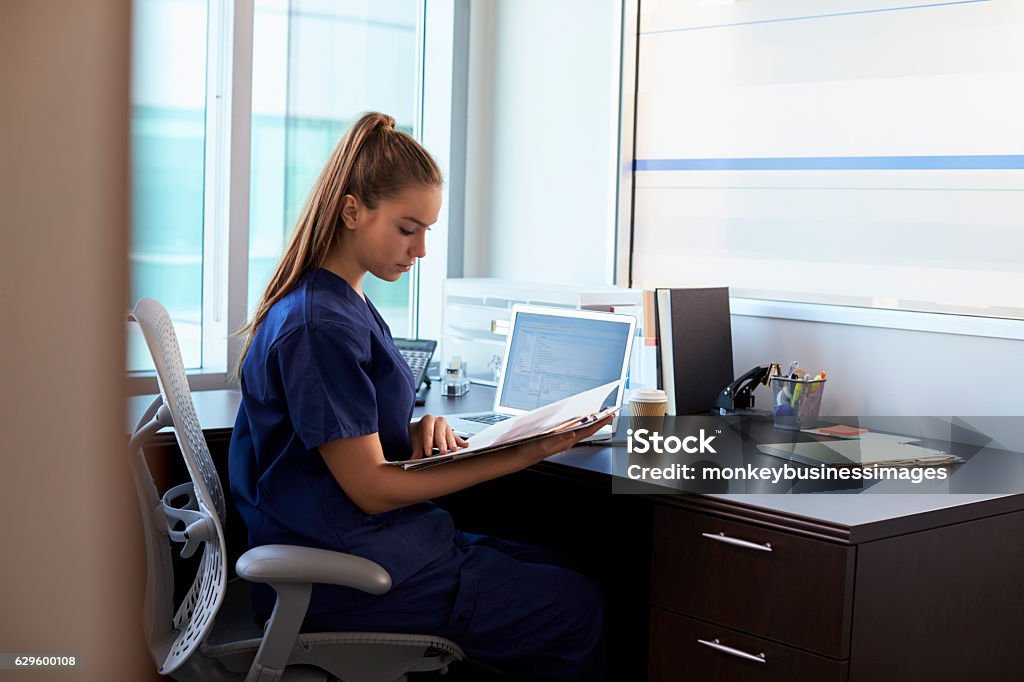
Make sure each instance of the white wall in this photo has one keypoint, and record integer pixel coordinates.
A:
(542, 136)
(896, 373)
(889, 372)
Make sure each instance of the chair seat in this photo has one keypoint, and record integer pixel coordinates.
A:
(236, 637)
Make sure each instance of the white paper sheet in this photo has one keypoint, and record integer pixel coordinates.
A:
(542, 419)
(534, 423)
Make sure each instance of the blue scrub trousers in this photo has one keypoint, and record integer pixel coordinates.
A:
(503, 602)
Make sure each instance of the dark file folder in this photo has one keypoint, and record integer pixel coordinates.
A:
(695, 338)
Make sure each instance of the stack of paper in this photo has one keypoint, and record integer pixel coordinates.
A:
(870, 452)
(568, 414)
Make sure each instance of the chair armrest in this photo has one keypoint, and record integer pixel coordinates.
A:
(291, 571)
(282, 564)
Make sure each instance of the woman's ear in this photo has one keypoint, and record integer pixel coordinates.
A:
(350, 207)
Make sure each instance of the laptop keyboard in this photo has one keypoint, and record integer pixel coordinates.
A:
(492, 418)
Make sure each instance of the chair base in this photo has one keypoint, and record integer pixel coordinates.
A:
(350, 656)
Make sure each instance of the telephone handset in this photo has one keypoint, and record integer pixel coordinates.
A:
(739, 395)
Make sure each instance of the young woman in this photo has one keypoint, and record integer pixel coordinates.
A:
(327, 399)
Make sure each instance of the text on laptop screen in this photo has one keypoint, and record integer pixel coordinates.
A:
(551, 358)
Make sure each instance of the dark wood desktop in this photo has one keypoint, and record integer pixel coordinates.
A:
(818, 587)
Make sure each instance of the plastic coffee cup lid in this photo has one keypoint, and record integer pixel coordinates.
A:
(648, 395)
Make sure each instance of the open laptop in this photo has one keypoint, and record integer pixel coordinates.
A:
(553, 353)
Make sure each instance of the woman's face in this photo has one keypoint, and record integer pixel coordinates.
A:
(387, 240)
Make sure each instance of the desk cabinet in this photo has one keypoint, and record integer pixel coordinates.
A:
(857, 588)
(739, 575)
(695, 650)
(734, 600)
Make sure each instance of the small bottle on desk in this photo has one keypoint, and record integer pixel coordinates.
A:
(454, 381)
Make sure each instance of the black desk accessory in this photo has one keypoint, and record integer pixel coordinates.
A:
(739, 395)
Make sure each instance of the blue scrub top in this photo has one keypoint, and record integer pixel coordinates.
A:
(323, 366)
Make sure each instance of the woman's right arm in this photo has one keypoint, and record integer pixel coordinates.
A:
(359, 467)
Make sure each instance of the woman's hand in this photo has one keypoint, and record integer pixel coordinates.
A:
(433, 432)
(358, 464)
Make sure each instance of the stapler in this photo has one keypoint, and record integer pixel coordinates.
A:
(739, 395)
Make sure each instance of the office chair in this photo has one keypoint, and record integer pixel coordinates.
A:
(212, 635)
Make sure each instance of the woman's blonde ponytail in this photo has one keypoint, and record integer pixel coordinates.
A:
(372, 161)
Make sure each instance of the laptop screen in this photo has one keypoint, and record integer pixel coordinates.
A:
(551, 357)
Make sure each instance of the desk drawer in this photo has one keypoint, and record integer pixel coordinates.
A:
(768, 583)
(686, 649)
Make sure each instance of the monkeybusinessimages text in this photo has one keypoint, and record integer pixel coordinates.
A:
(644, 441)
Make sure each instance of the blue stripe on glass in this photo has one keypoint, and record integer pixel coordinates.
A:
(812, 16)
(818, 163)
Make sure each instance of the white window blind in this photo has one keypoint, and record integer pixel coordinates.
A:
(855, 152)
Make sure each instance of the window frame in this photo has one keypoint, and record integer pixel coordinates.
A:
(225, 197)
(227, 181)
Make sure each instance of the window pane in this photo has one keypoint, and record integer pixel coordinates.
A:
(317, 66)
(168, 151)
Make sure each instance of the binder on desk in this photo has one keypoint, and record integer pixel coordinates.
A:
(695, 338)
(650, 332)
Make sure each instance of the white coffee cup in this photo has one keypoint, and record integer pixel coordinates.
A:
(648, 402)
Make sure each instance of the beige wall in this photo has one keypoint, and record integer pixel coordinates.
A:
(70, 542)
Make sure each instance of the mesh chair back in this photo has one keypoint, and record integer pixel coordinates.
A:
(203, 513)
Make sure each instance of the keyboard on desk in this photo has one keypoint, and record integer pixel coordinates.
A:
(492, 418)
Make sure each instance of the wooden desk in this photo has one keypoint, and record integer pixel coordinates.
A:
(855, 587)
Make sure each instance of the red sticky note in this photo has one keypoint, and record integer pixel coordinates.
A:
(843, 430)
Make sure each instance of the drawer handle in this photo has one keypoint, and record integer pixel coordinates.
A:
(718, 646)
(722, 537)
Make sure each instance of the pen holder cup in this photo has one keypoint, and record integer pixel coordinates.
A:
(796, 403)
